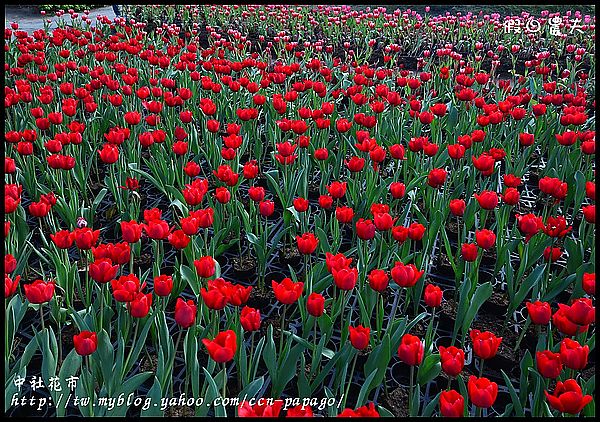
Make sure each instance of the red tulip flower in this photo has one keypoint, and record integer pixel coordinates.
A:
(39, 291)
(260, 409)
(433, 296)
(315, 304)
(205, 266)
(85, 237)
(485, 238)
(452, 404)
(250, 318)
(287, 292)
(378, 280)
(539, 312)
(345, 278)
(361, 412)
(163, 284)
(573, 355)
(485, 344)
(140, 305)
(307, 243)
(548, 364)
(359, 336)
(452, 359)
(411, 350)
(222, 348)
(482, 391)
(86, 343)
(102, 270)
(185, 313)
(568, 397)
(405, 275)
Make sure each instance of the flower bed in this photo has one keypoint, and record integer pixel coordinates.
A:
(306, 204)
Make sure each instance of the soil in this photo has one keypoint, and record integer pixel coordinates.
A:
(244, 264)
(179, 411)
(290, 255)
(397, 402)
(261, 298)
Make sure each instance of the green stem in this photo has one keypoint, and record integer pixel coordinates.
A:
(281, 330)
(224, 380)
(350, 379)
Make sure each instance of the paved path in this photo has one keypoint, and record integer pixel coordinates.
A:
(29, 19)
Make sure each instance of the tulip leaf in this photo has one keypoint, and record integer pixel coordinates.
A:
(513, 395)
(482, 293)
(69, 368)
(252, 389)
(213, 393)
(378, 362)
(365, 389)
(429, 369)
(533, 279)
(383, 412)
(429, 409)
(155, 395)
(128, 387)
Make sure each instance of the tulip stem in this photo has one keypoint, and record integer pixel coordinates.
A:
(281, 330)
(224, 380)
(481, 368)
(527, 322)
(410, 396)
(42, 315)
(135, 331)
(101, 311)
(350, 379)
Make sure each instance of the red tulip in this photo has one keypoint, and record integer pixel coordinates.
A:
(109, 153)
(307, 243)
(361, 412)
(573, 355)
(588, 283)
(568, 397)
(344, 214)
(300, 411)
(85, 237)
(86, 343)
(250, 318)
(378, 280)
(178, 239)
(539, 312)
(345, 278)
(487, 199)
(433, 296)
(482, 391)
(205, 266)
(359, 336)
(157, 229)
(102, 270)
(140, 305)
(132, 231)
(452, 359)
(582, 312)
(287, 292)
(222, 348)
(10, 263)
(163, 284)
(411, 350)
(485, 238)
(561, 321)
(452, 404)
(405, 275)
(39, 291)
(457, 207)
(185, 313)
(125, 288)
(365, 229)
(436, 177)
(548, 364)
(485, 344)
(266, 208)
(315, 304)
(261, 409)
(469, 251)
(10, 285)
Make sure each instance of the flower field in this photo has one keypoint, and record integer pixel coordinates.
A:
(300, 211)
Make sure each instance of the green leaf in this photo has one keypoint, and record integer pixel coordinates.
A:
(429, 369)
(155, 395)
(513, 395)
